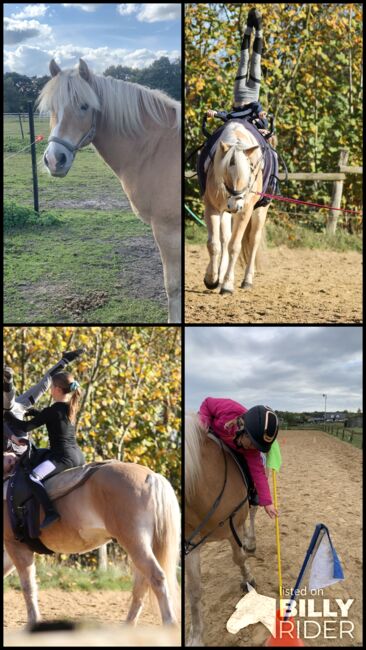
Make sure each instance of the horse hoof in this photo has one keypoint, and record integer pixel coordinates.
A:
(246, 285)
(211, 285)
(249, 549)
(224, 292)
(243, 585)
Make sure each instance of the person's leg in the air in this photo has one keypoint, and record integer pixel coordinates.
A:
(247, 90)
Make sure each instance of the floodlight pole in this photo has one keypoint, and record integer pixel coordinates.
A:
(325, 406)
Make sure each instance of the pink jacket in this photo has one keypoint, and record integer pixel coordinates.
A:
(215, 412)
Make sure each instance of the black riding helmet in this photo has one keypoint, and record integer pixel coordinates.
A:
(261, 425)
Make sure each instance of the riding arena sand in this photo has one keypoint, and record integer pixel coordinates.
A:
(320, 481)
(296, 285)
(99, 614)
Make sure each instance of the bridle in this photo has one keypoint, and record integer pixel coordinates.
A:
(240, 194)
(86, 139)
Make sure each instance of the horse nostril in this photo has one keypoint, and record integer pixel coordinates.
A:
(61, 160)
(45, 160)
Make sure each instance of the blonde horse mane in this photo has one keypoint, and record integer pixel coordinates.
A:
(123, 105)
(195, 432)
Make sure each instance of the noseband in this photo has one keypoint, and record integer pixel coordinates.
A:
(86, 139)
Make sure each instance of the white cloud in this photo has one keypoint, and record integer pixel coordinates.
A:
(128, 9)
(152, 13)
(89, 7)
(28, 60)
(17, 31)
(32, 11)
(35, 61)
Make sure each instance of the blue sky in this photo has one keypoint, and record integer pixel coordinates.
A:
(287, 368)
(103, 34)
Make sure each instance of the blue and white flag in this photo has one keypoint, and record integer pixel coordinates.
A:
(322, 562)
(325, 567)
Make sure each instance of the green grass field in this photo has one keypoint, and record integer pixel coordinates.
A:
(99, 264)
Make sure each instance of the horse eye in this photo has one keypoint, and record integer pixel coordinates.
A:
(84, 107)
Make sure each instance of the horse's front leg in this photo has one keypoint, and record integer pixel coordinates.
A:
(168, 239)
(212, 219)
(23, 559)
(249, 536)
(8, 564)
(240, 222)
(225, 234)
(194, 589)
(257, 224)
(239, 558)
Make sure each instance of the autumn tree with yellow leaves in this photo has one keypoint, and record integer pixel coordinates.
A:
(131, 384)
(311, 82)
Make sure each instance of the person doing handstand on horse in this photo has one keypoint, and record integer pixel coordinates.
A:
(246, 89)
(248, 432)
(64, 451)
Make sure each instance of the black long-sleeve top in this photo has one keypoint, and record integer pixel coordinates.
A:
(61, 431)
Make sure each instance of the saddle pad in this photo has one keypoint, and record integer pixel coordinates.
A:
(60, 484)
(270, 171)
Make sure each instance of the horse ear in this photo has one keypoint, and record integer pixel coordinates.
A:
(224, 147)
(54, 68)
(84, 70)
(249, 150)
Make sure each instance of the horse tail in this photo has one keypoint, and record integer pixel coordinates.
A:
(247, 244)
(195, 431)
(167, 535)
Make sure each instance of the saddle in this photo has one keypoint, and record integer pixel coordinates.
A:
(24, 509)
(270, 170)
(243, 468)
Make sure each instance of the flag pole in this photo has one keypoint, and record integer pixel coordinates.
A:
(277, 540)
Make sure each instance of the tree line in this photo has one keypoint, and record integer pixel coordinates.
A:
(162, 74)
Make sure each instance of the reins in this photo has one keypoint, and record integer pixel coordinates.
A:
(189, 545)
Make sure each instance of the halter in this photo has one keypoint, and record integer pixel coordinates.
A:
(86, 139)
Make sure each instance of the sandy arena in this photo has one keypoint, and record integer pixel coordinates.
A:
(295, 286)
(320, 482)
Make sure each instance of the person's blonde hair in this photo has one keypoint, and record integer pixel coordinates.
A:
(66, 382)
(237, 422)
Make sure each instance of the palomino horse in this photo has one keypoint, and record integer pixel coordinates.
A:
(137, 132)
(230, 197)
(123, 501)
(204, 475)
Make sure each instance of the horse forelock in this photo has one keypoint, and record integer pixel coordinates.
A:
(67, 89)
(233, 166)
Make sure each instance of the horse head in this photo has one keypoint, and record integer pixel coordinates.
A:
(236, 170)
(73, 105)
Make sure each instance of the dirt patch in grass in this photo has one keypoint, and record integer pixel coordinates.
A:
(139, 280)
(104, 202)
(142, 270)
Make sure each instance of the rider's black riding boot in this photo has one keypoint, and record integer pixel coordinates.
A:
(39, 491)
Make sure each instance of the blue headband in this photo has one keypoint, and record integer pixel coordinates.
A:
(73, 386)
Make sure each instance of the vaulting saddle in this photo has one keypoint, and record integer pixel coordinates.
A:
(24, 509)
(242, 466)
(270, 170)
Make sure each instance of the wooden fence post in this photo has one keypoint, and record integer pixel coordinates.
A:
(337, 196)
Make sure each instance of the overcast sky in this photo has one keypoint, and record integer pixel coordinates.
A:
(287, 368)
(129, 34)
